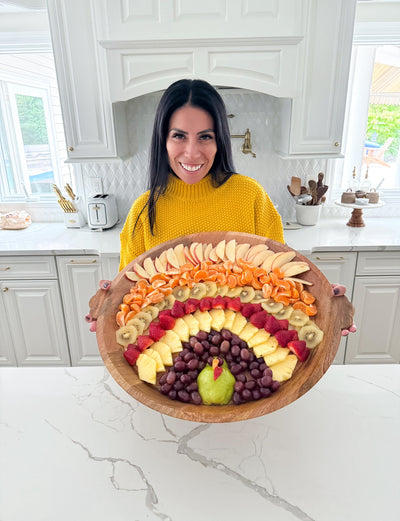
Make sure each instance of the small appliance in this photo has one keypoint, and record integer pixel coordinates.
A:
(102, 211)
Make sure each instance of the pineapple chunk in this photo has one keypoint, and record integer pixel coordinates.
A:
(276, 356)
(229, 318)
(284, 370)
(238, 324)
(172, 340)
(266, 348)
(248, 332)
(165, 352)
(193, 324)
(181, 329)
(147, 368)
(204, 319)
(259, 338)
(157, 357)
(217, 318)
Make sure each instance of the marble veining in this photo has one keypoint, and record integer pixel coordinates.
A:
(75, 445)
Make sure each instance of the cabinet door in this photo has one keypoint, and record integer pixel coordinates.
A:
(338, 268)
(83, 85)
(314, 125)
(36, 323)
(377, 315)
(7, 355)
(79, 281)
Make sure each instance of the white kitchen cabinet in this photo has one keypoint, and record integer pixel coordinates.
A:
(31, 312)
(376, 299)
(94, 128)
(79, 281)
(339, 268)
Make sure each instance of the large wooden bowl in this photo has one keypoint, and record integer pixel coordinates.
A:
(334, 314)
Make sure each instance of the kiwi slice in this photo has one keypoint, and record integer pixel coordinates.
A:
(211, 288)
(222, 290)
(234, 292)
(312, 335)
(146, 318)
(258, 297)
(298, 318)
(198, 291)
(271, 306)
(126, 335)
(152, 310)
(181, 293)
(284, 313)
(247, 294)
(136, 323)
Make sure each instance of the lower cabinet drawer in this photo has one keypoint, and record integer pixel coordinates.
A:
(378, 263)
(22, 267)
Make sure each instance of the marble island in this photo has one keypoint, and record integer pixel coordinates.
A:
(75, 446)
(380, 233)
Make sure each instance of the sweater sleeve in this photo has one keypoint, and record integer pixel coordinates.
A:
(131, 237)
(268, 221)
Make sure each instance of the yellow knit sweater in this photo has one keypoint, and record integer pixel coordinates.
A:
(239, 205)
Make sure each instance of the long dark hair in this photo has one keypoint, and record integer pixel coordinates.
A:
(196, 93)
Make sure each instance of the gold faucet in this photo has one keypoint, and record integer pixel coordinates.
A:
(246, 147)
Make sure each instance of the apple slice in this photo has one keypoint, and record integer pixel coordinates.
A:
(148, 265)
(241, 251)
(160, 262)
(213, 255)
(259, 258)
(294, 268)
(220, 250)
(283, 258)
(302, 281)
(230, 250)
(267, 264)
(141, 271)
(257, 248)
(188, 255)
(180, 254)
(207, 249)
(172, 259)
(192, 249)
(199, 252)
(131, 275)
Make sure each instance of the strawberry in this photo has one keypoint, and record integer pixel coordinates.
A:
(166, 312)
(143, 342)
(258, 319)
(299, 348)
(167, 321)
(178, 309)
(217, 372)
(248, 309)
(156, 331)
(233, 303)
(205, 304)
(131, 354)
(218, 302)
(272, 325)
(284, 323)
(191, 305)
(284, 336)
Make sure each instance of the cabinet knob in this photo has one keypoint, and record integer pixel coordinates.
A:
(337, 144)
(4, 290)
(70, 149)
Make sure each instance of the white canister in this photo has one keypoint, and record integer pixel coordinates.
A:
(307, 215)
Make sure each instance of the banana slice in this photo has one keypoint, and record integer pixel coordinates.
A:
(312, 335)
(137, 324)
(146, 318)
(284, 313)
(298, 318)
(152, 310)
(258, 297)
(181, 293)
(234, 292)
(247, 294)
(211, 288)
(271, 306)
(126, 335)
(198, 291)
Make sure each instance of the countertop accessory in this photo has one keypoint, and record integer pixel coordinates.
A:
(69, 191)
(316, 191)
(66, 205)
(308, 215)
(373, 196)
(348, 196)
(356, 219)
(102, 211)
(334, 314)
(74, 219)
(15, 220)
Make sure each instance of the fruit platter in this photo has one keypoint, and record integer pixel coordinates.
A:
(219, 326)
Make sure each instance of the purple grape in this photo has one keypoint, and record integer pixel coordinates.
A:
(251, 384)
(226, 334)
(275, 386)
(225, 347)
(246, 395)
(265, 392)
(235, 350)
(183, 396)
(202, 335)
(171, 377)
(239, 386)
(236, 369)
(244, 354)
(172, 394)
(266, 381)
(180, 366)
(195, 398)
(198, 348)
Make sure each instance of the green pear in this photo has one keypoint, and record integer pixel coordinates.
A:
(219, 391)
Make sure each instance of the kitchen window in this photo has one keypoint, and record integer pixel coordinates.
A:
(32, 144)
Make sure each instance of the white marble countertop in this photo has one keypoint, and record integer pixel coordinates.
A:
(75, 446)
(380, 233)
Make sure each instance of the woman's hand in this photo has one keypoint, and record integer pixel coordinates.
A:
(338, 291)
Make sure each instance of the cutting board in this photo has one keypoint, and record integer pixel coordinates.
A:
(334, 314)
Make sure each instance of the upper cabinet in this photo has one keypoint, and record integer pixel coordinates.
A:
(108, 52)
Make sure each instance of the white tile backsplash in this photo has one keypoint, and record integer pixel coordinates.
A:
(253, 110)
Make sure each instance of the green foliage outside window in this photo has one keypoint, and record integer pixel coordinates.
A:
(32, 120)
(383, 123)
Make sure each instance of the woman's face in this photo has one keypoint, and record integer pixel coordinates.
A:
(191, 144)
